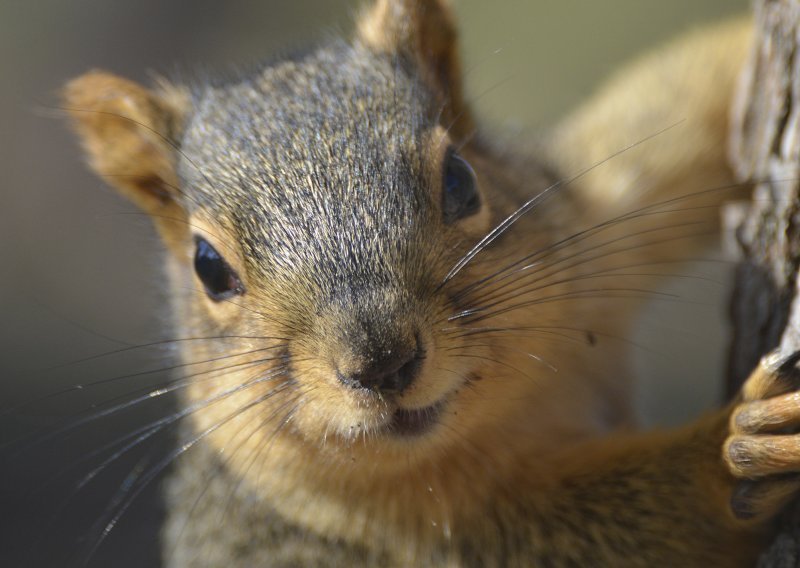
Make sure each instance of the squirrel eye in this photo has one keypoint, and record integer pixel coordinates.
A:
(460, 196)
(218, 278)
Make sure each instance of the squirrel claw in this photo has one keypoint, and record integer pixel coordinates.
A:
(776, 374)
(780, 364)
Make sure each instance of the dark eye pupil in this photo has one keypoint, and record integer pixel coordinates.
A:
(460, 196)
(218, 278)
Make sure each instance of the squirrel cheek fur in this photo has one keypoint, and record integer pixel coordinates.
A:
(377, 406)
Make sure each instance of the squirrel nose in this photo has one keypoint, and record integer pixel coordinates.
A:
(388, 372)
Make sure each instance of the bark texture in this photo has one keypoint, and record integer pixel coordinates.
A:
(765, 149)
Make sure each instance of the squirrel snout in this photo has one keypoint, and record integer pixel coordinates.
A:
(389, 371)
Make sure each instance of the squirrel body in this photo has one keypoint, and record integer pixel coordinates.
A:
(412, 349)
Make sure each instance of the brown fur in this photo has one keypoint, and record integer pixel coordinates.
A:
(526, 465)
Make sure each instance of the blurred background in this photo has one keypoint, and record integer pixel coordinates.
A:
(81, 268)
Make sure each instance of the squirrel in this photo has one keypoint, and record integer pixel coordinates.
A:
(406, 336)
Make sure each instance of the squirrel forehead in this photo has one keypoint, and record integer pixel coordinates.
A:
(341, 109)
(328, 150)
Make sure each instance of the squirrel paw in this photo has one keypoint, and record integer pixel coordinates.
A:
(763, 445)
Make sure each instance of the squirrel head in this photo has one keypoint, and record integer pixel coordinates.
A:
(314, 210)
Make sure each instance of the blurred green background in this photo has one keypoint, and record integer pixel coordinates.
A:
(80, 267)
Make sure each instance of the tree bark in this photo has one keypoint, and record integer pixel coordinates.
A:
(765, 149)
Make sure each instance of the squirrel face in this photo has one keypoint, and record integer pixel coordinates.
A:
(339, 216)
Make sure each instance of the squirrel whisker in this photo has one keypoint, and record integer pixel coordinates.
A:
(156, 470)
(151, 392)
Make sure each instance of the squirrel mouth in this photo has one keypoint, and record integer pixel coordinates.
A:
(415, 422)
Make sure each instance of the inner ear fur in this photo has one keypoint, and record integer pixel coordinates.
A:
(424, 33)
(129, 134)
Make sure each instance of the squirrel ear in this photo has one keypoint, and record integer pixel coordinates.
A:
(129, 133)
(424, 32)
